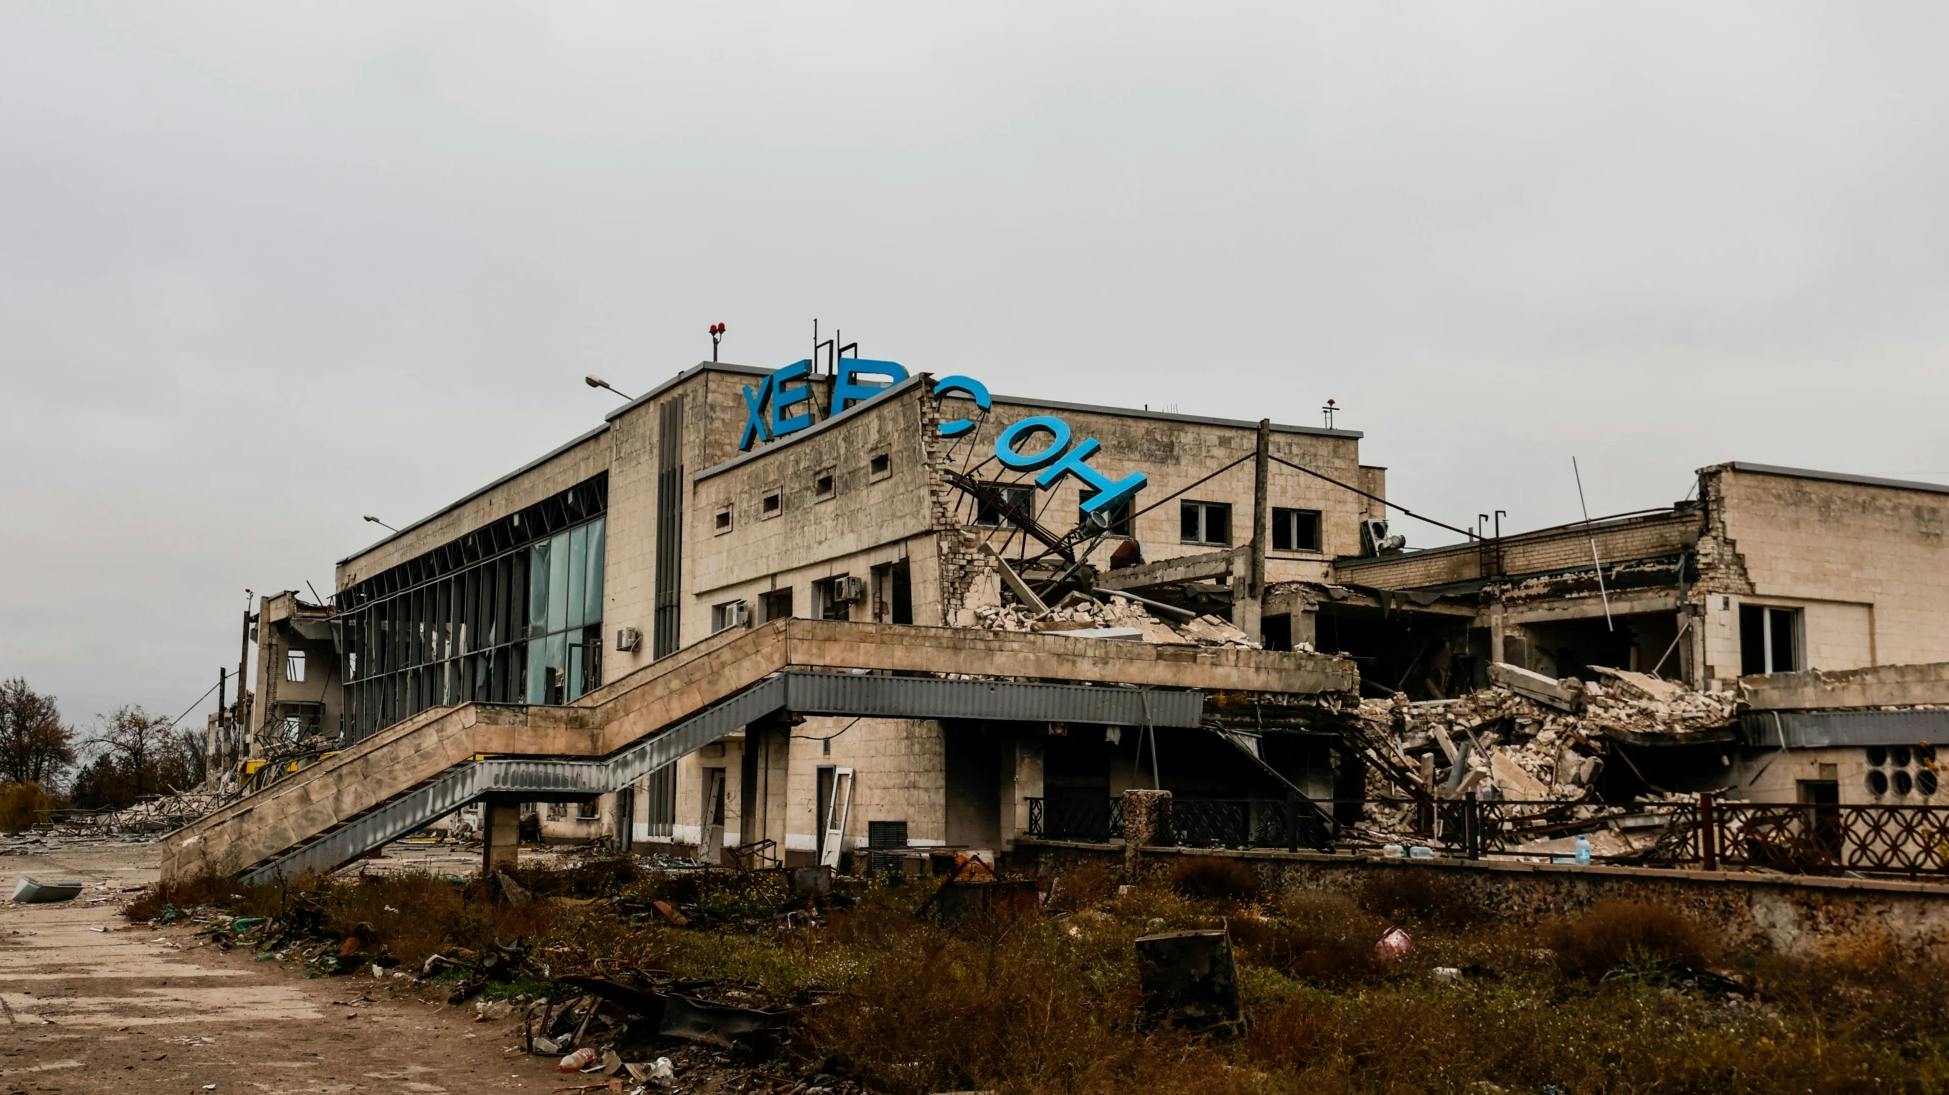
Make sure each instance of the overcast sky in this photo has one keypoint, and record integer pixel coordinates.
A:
(267, 267)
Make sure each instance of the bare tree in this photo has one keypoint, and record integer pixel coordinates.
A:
(35, 745)
(144, 748)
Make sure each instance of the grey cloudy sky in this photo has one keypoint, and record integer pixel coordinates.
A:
(267, 267)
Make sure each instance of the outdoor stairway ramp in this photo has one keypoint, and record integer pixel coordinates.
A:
(414, 772)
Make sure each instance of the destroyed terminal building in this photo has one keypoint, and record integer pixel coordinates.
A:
(785, 616)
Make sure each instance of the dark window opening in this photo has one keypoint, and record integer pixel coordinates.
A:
(771, 504)
(1769, 640)
(1205, 522)
(722, 521)
(776, 605)
(822, 485)
(1015, 502)
(880, 465)
(1295, 529)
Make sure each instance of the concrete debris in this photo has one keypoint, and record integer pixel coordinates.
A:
(1519, 740)
(1078, 613)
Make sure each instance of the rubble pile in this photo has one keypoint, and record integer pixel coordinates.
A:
(1078, 612)
(1528, 739)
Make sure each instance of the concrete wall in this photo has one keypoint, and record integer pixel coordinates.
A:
(1867, 563)
(1175, 451)
(866, 520)
(1793, 915)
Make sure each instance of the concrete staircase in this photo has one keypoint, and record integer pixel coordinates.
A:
(418, 770)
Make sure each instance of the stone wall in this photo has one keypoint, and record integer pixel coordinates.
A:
(1793, 915)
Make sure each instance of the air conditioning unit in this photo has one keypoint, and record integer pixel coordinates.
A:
(628, 638)
(1376, 541)
(849, 589)
(741, 614)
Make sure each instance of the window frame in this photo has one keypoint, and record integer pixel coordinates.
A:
(1205, 509)
(1292, 514)
(1009, 492)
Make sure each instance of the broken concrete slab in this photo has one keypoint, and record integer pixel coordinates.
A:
(1645, 685)
(1536, 686)
(1514, 783)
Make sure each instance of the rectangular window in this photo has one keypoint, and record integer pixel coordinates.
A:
(721, 523)
(771, 505)
(1114, 519)
(1770, 640)
(1205, 522)
(832, 597)
(1295, 529)
(880, 466)
(1013, 500)
(294, 665)
(728, 614)
(777, 604)
(822, 486)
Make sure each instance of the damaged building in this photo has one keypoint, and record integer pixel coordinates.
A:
(730, 498)
(1098, 600)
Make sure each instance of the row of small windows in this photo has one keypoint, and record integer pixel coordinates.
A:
(772, 503)
(1198, 522)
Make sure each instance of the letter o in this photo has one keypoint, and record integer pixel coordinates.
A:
(1042, 423)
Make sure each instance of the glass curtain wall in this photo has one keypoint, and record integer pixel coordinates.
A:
(511, 613)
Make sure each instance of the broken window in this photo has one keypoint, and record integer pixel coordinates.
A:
(294, 665)
(1205, 522)
(1295, 529)
(1014, 500)
(832, 598)
(1770, 640)
(588, 808)
(777, 604)
(1113, 519)
(880, 466)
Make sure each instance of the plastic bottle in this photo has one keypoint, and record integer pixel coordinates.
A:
(1583, 851)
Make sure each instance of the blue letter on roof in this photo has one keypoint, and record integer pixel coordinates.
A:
(846, 389)
(783, 397)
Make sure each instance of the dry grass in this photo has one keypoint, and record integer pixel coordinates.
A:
(1052, 1004)
(1420, 895)
(1213, 877)
(1629, 936)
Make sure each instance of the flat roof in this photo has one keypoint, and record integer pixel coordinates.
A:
(748, 370)
(1834, 477)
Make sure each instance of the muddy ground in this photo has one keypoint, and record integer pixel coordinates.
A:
(93, 1004)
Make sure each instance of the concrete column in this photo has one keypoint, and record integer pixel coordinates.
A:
(1146, 819)
(500, 836)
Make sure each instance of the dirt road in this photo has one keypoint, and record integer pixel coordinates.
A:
(92, 1004)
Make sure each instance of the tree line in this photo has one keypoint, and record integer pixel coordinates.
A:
(46, 762)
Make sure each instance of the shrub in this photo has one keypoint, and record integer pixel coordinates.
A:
(1627, 935)
(1216, 878)
(1322, 939)
(1420, 894)
(21, 805)
(1085, 886)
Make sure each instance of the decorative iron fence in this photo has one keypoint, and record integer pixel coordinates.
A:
(1705, 832)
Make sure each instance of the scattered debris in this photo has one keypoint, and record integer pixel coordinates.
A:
(31, 892)
(1079, 613)
(1394, 943)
